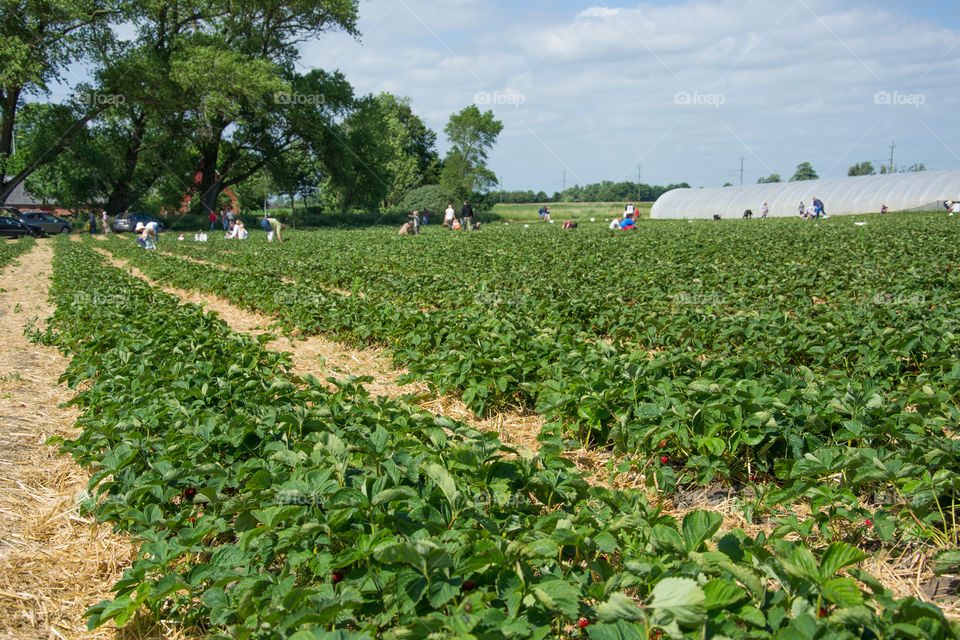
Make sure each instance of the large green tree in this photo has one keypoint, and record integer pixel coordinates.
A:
(862, 169)
(771, 179)
(38, 40)
(241, 93)
(357, 175)
(472, 134)
(805, 171)
(412, 160)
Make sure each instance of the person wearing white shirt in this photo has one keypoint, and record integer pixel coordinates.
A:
(448, 216)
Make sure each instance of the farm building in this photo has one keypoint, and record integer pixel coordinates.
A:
(919, 191)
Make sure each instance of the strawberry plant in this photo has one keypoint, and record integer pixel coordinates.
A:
(268, 506)
(11, 249)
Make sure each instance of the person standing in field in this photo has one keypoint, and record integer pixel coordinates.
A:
(416, 222)
(449, 215)
(802, 209)
(629, 210)
(228, 219)
(92, 219)
(275, 229)
(212, 217)
(466, 214)
(764, 210)
(106, 221)
(424, 216)
(818, 208)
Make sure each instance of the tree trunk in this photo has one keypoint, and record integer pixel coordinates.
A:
(121, 196)
(8, 111)
(210, 183)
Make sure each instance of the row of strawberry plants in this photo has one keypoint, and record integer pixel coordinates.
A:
(11, 249)
(267, 506)
(718, 415)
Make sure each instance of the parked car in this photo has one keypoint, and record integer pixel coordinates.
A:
(46, 221)
(13, 228)
(128, 222)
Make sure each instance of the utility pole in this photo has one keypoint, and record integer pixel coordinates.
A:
(741, 169)
(893, 145)
(639, 181)
(564, 182)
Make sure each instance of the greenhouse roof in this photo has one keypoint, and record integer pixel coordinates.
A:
(923, 191)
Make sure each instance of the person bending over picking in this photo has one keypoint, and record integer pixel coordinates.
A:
(275, 229)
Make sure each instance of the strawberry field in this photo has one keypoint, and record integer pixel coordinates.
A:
(811, 370)
(10, 249)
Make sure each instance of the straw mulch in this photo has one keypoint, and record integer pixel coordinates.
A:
(54, 564)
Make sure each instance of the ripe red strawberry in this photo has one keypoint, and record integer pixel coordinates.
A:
(663, 443)
(583, 623)
(868, 522)
(22, 405)
(664, 459)
(336, 577)
(189, 493)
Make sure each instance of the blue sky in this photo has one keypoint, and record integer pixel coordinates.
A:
(679, 89)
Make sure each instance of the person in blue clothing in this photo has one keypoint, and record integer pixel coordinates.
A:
(628, 223)
(818, 208)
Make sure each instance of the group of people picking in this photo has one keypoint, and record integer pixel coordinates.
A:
(628, 221)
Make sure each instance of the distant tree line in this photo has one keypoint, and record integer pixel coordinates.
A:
(606, 191)
(805, 171)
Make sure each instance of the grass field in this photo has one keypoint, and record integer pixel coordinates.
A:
(560, 211)
(748, 429)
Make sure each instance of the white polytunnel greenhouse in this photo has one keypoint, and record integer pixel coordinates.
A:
(915, 191)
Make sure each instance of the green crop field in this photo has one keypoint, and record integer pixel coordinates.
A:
(809, 371)
(560, 211)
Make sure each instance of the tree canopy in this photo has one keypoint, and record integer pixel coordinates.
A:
(805, 171)
(862, 169)
(472, 134)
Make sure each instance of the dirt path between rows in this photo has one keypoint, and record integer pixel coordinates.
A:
(324, 358)
(54, 563)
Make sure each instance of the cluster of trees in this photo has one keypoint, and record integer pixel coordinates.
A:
(606, 191)
(867, 169)
(805, 171)
(205, 105)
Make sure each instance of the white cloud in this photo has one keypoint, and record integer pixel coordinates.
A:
(781, 82)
